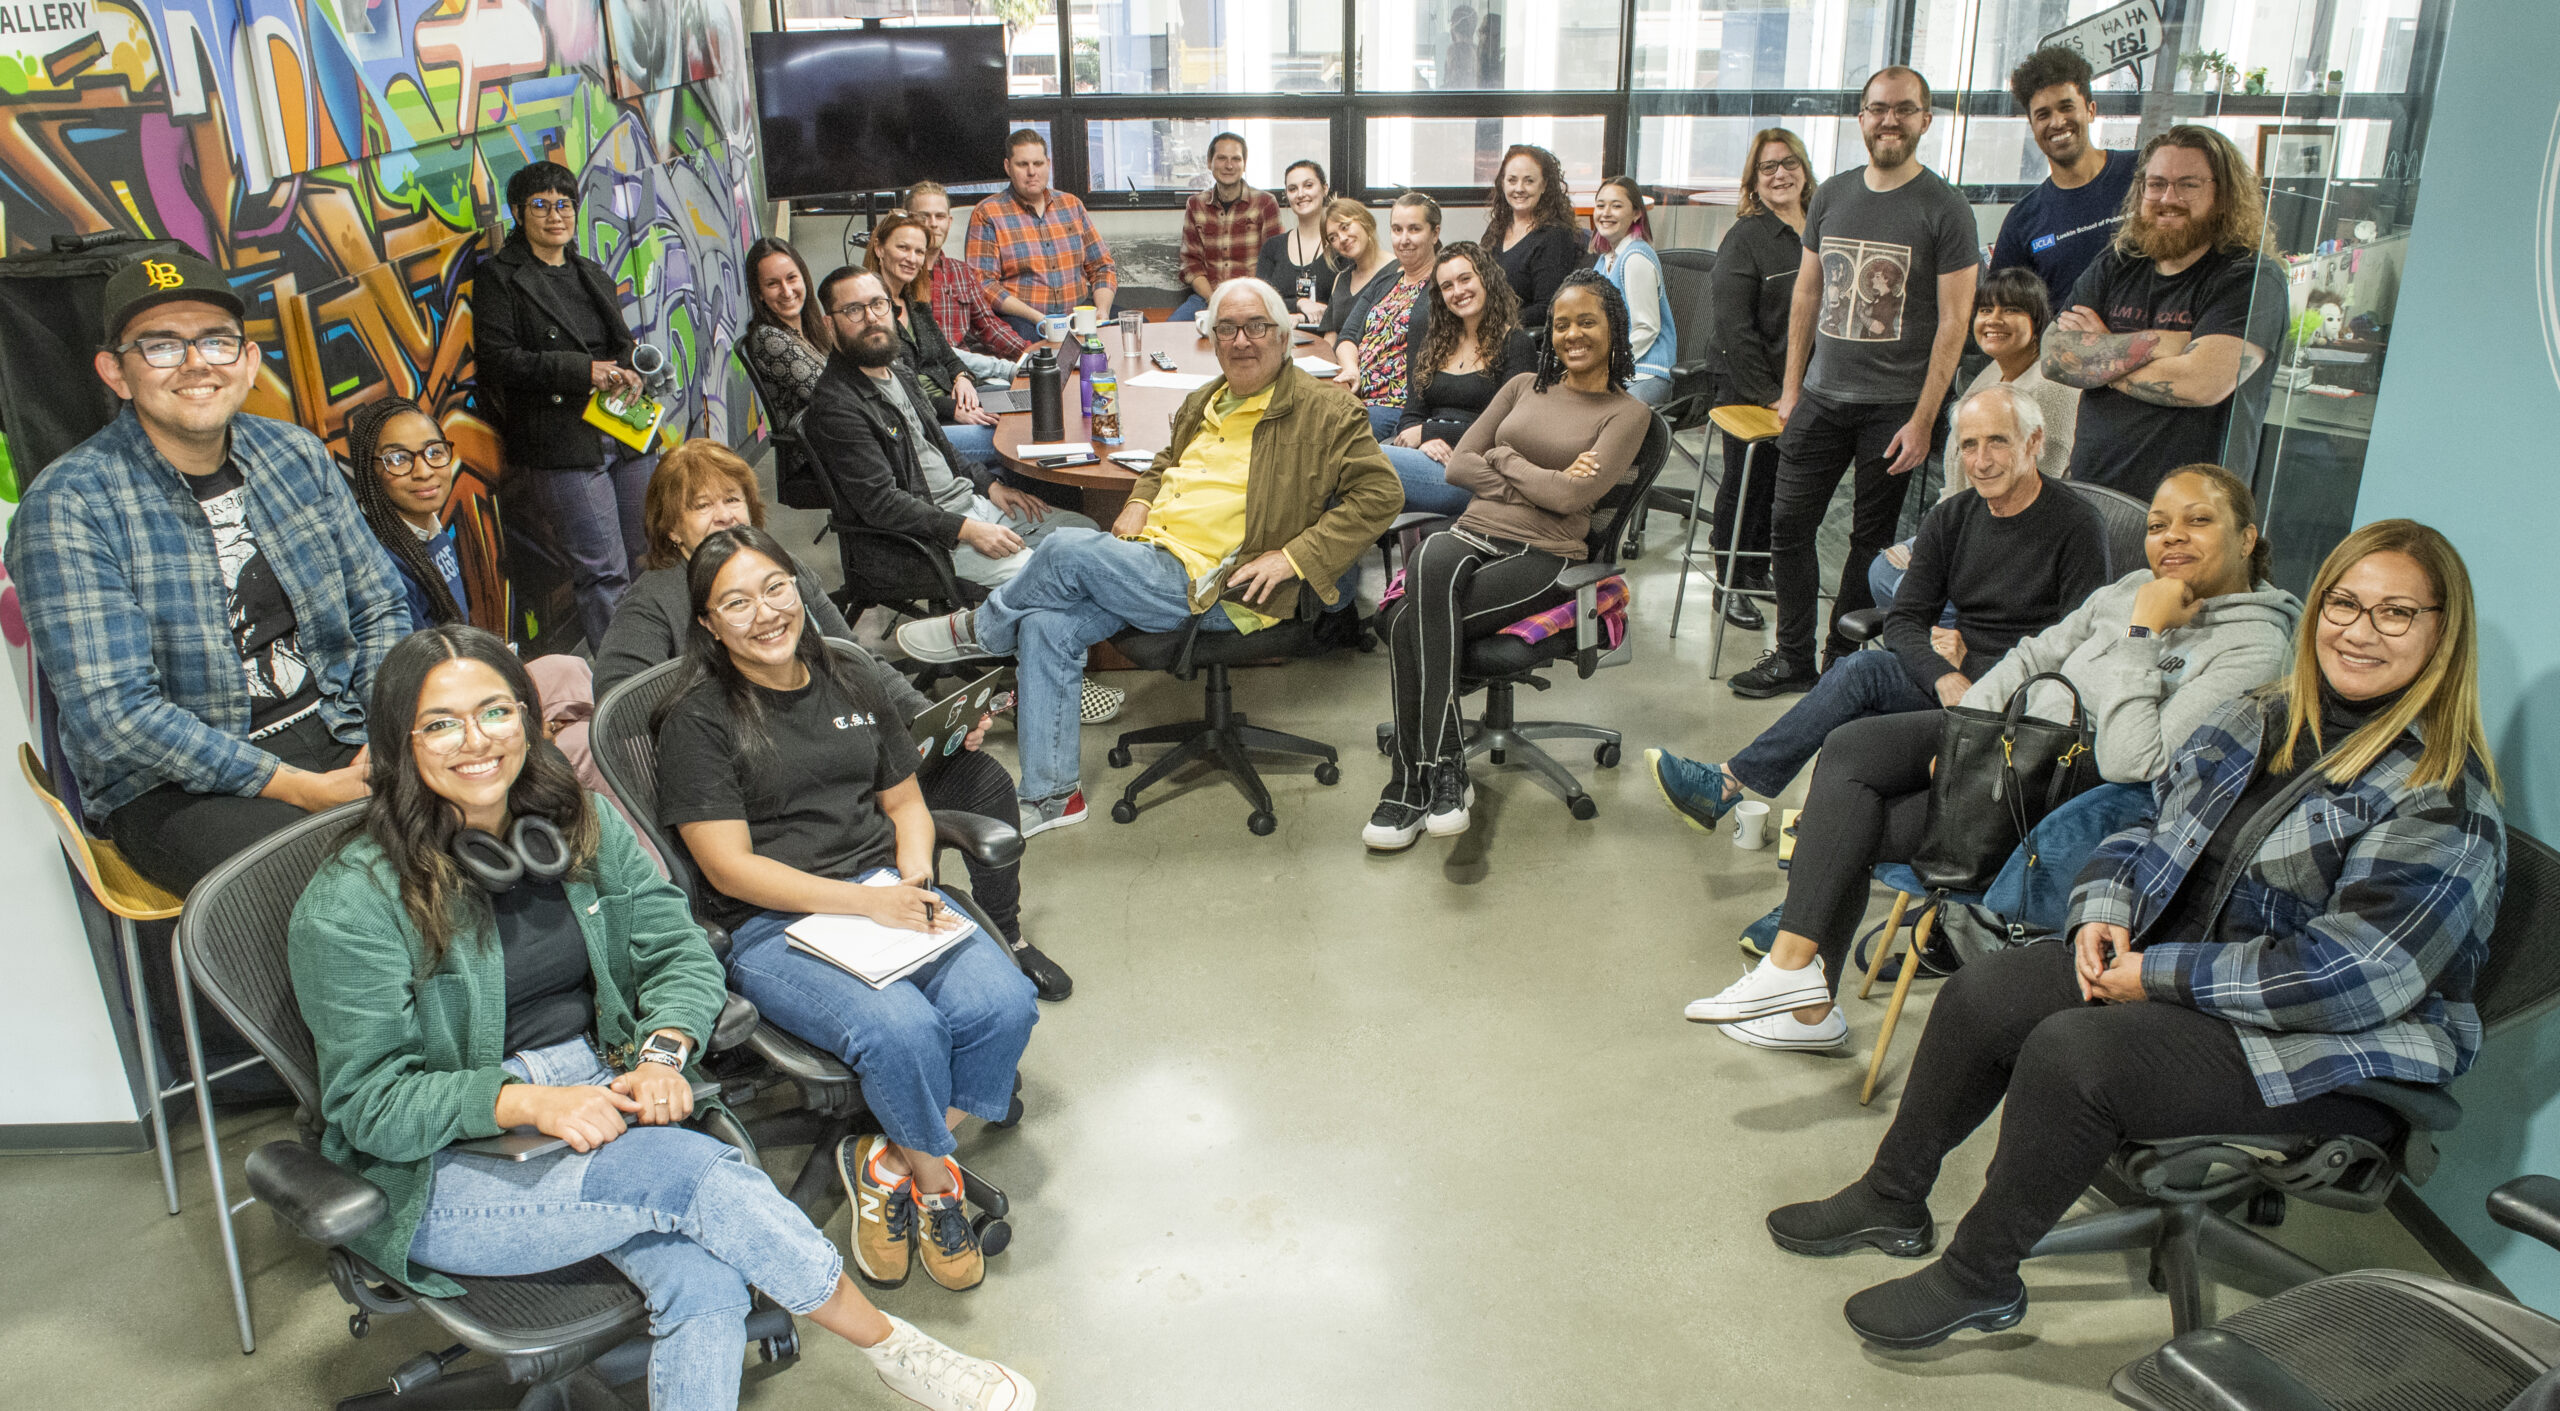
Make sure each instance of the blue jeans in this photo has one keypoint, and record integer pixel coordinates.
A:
(2034, 886)
(1426, 483)
(976, 444)
(1652, 391)
(588, 523)
(1857, 686)
(1184, 311)
(1383, 417)
(947, 1036)
(681, 1214)
(1884, 581)
(1081, 586)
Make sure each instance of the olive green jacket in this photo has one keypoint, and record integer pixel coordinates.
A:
(409, 1065)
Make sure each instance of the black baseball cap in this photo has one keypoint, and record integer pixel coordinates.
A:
(165, 279)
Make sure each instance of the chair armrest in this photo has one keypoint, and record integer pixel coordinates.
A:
(2425, 1109)
(1860, 626)
(325, 1203)
(2216, 1369)
(2529, 1205)
(989, 840)
(1183, 670)
(1586, 575)
(738, 1019)
(925, 556)
(1415, 519)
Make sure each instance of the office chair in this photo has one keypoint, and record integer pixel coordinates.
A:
(2182, 1191)
(2127, 523)
(1501, 663)
(797, 482)
(1220, 736)
(1689, 276)
(624, 740)
(555, 1339)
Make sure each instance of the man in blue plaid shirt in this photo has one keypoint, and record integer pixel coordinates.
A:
(207, 606)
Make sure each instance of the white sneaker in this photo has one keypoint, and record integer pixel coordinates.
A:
(1781, 1030)
(930, 1374)
(941, 640)
(1763, 989)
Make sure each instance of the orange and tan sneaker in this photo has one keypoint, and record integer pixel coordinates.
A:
(945, 1240)
(884, 1212)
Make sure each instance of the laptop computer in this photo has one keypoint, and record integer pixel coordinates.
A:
(943, 729)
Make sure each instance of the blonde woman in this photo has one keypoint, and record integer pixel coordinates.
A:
(1754, 281)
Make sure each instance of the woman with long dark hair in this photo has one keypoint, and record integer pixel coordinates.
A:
(1299, 261)
(788, 336)
(403, 472)
(1530, 229)
(791, 779)
(1552, 442)
(492, 951)
(1466, 343)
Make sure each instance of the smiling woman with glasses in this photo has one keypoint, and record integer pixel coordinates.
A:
(403, 469)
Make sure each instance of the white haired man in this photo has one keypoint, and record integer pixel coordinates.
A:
(1272, 481)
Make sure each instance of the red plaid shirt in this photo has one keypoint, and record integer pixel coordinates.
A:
(968, 317)
(1221, 239)
(1052, 262)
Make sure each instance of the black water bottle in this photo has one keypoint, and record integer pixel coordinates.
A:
(1048, 397)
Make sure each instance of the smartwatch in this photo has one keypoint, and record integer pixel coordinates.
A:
(660, 1048)
(2137, 632)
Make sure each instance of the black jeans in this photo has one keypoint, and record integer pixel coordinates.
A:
(1460, 586)
(1823, 440)
(1742, 521)
(1869, 803)
(973, 781)
(2080, 1080)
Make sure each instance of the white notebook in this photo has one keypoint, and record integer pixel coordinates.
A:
(875, 954)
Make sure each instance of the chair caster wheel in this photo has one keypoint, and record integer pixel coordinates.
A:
(1581, 806)
(1606, 756)
(1119, 757)
(780, 1349)
(1635, 548)
(1012, 1115)
(2266, 1209)
(359, 1323)
(1328, 773)
(1124, 812)
(1260, 824)
(993, 1234)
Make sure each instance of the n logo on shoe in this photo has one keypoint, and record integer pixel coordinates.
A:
(872, 1209)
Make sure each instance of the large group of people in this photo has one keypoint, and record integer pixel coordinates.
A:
(2294, 857)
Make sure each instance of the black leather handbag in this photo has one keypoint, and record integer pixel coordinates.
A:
(1999, 773)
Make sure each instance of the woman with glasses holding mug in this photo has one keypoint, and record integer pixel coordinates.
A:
(1753, 285)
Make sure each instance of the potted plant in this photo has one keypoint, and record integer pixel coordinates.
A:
(2337, 82)
(2257, 81)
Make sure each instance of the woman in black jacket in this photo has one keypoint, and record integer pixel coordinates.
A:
(1754, 281)
(549, 333)
(1300, 261)
(1531, 230)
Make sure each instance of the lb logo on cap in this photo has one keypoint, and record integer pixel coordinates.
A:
(162, 274)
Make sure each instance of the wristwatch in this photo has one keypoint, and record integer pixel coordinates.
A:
(2137, 632)
(660, 1048)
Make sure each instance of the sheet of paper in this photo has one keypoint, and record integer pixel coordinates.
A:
(876, 954)
(1319, 366)
(1177, 381)
(1042, 450)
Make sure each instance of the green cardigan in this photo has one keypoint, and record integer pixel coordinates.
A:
(409, 1065)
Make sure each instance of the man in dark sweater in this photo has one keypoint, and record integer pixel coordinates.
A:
(2013, 558)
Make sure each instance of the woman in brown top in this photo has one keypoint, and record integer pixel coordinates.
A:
(1550, 445)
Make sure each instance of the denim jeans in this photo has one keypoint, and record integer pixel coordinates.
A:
(1884, 582)
(1080, 586)
(947, 1036)
(1426, 483)
(681, 1214)
(1857, 686)
(976, 444)
(588, 524)
(1383, 417)
(970, 566)
(1185, 310)
(1652, 391)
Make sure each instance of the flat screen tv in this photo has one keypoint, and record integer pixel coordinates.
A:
(873, 110)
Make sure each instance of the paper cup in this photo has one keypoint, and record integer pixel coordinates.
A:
(1751, 824)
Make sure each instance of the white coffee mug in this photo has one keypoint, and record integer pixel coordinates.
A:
(1084, 320)
(1201, 321)
(1751, 824)
(1053, 329)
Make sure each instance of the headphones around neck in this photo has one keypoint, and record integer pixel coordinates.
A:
(532, 848)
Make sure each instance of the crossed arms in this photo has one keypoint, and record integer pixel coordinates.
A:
(2159, 366)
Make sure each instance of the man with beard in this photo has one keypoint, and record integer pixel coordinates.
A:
(2062, 225)
(2167, 334)
(871, 427)
(1866, 372)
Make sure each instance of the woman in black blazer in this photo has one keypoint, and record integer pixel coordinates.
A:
(549, 332)
(1531, 231)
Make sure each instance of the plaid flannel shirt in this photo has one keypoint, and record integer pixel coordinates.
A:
(1222, 239)
(1052, 262)
(967, 315)
(116, 573)
(2349, 944)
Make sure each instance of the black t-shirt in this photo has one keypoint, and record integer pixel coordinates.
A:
(1537, 266)
(551, 989)
(2009, 578)
(565, 290)
(1446, 404)
(282, 688)
(1273, 266)
(810, 800)
(1882, 253)
(2131, 445)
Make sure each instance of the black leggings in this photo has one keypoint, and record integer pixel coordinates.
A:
(1869, 803)
(2080, 1080)
(1459, 586)
(974, 782)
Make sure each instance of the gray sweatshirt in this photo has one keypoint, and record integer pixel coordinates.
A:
(2147, 695)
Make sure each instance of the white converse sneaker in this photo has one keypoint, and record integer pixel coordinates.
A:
(930, 1374)
(1763, 989)
(1781, 1030)
(940, 640)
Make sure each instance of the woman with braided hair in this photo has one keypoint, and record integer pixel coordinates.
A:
(403, 469)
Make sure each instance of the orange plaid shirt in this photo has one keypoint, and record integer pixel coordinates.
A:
(1051, 261)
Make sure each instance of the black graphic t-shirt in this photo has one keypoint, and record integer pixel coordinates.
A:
(2131, 445)
(1882, 253)
(282, 689)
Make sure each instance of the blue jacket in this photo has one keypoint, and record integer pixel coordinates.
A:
(116, 573)
(2349, 946)
(1655, 359)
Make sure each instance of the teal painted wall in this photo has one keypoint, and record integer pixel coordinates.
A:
(2464, 438)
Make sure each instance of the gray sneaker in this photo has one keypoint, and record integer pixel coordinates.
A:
(1040, 817)
(939, 640)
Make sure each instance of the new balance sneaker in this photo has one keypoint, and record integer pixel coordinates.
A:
(951, 637)
(1854, 1218)
(1700, 793)
(884, 1212)
(1925, 1309)
(1048, 978)
(945, 1241)
(1763, 989)
(1763, 933)
(1782, 1031)
(928, 1373)
(1394, 827)
(1774, 675)
(1451, 797)
(1101, 703)
(1038, 818)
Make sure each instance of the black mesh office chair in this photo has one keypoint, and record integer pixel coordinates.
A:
(2179, 1197)
(1689, 277)
(829, 1108)
(1220, 736)
(2127, 524)
(555, 1339)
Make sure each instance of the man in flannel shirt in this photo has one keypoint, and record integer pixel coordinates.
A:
(1223, 228)
(1037, 248)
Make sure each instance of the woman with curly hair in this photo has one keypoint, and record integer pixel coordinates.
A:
(1531, 230)
(1465, 345)
(403, 472)
(1552, 442)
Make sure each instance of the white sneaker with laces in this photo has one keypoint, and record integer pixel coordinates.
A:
(1763, 989)
(1781, 1030)
(926, 1372)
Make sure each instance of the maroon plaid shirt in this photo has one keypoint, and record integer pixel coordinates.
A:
(1220, 239)
(968, 317)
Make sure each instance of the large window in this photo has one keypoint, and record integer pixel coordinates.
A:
(1208, 46)
(1413, 46)
(1737, 45)
(1172, 154)
(1465, 152)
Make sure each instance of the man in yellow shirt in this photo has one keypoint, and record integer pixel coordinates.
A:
(1272, 483)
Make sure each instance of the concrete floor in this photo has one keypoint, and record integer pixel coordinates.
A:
(1318, 1129)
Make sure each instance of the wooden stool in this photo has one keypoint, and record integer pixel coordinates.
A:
(1752, 426)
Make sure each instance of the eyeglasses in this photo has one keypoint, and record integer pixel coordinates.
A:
(1783, 164)
(865, 311)
(435, 455)
(1256, 330)
(2389, 619)
(446, 734)
(739, 608)
(1878, 112)
(219, 349)
(2184, 186)
(542, 206)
